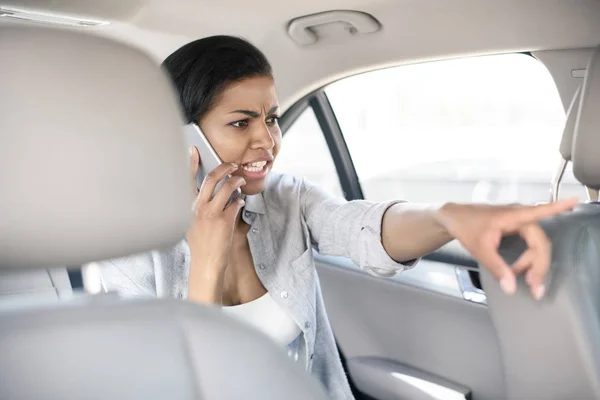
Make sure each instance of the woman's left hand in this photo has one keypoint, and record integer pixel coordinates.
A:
(480, 228)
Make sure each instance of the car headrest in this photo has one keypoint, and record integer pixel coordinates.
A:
(586, 143)
(566, 142)
(93, 161)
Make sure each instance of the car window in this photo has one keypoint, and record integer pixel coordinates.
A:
(304, 153)
(481, 129)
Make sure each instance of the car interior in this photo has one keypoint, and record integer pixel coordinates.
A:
(429, 101)
(103, 347)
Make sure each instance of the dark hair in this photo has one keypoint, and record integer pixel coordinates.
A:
(202, 69)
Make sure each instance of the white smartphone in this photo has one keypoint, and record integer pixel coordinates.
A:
(209, 159)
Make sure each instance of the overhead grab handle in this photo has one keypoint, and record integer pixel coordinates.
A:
(303, 30)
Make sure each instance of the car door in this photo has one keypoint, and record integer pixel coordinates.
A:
(479, 129)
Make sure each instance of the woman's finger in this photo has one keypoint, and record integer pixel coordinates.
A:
(232, 210)
(537, 290)
(194, 159)
(212, 179)
(541, 248)
(529, 214)
(523, 262)
(223, 194)
(487, 254)
(196, 203)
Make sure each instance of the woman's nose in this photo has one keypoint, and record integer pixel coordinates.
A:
(263, 139)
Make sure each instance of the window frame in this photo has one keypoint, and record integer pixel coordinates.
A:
(334, 138)
(344, 165)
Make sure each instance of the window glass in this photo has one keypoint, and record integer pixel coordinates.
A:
(304, 153)
(481, 129)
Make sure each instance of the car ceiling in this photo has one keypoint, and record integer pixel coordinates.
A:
(412, 30)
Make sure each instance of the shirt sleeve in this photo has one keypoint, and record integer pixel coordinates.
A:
(350, 229)
(162, 273)
(129, 276)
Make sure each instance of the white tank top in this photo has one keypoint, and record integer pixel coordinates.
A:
(267, 316)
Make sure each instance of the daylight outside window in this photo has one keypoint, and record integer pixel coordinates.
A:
(481, 129)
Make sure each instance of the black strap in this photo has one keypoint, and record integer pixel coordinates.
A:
(75, 277)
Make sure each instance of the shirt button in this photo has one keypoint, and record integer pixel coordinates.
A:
(312, 356)
(247, 214)
(255, 230)
(307, 324)
(181, 295)
(262, 266)
(284, 295)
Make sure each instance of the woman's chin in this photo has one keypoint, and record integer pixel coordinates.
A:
(254, 187)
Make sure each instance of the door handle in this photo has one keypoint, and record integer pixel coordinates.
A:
(387, 379)
(469, 291)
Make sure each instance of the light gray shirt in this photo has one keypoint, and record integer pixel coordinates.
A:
(287, 219)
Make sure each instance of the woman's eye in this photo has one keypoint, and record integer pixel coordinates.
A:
(240, 124)
(273, 120)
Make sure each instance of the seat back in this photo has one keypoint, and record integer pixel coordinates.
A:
(551, 348)
(107, 348)
(93, 165)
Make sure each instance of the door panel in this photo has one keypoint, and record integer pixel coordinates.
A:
(387, 319)
(388, 380)
(435, 276)
(411, 134)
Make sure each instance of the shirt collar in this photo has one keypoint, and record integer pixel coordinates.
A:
(255, 204)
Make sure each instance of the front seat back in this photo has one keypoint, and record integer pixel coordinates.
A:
(551, 348)
(93, 165)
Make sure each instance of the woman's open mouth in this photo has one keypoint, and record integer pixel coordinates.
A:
(256, 169)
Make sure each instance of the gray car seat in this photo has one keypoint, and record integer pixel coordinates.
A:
(551, 348)
(93, 165)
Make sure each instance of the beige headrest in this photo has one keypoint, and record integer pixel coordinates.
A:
(586, 144)
(93, 162)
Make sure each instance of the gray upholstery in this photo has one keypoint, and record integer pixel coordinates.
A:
(586, 160)
(143, 350)
(93, 165)
(91, 151)
(551, 348)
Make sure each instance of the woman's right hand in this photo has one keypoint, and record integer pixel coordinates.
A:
(211, 232)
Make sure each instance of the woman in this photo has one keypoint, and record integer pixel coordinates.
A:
(254, 258)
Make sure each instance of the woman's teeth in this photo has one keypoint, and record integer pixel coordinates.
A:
(255, 166)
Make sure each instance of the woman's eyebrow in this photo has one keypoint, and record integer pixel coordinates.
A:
(254, 114)
(251, 114)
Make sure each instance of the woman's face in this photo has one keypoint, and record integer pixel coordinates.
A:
(243, 129)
